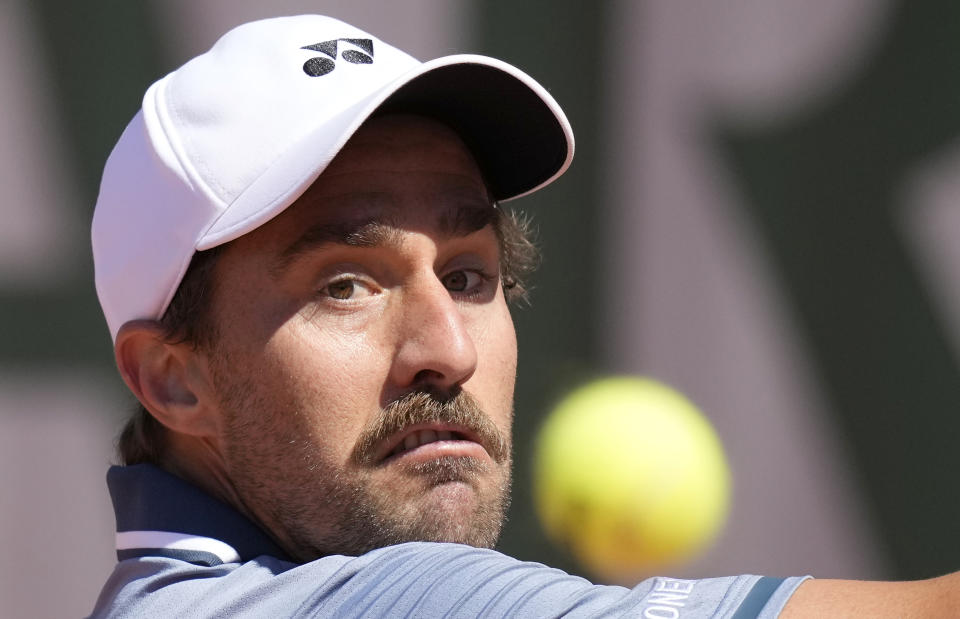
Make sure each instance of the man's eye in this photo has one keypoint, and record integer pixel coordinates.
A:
(347, 289)
(341, 290)
(459, 281)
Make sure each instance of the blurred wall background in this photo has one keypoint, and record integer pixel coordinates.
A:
(762, 213)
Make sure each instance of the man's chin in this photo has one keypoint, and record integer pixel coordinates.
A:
(451, 501)
(455, 489)
(454, 512)
(445, 501)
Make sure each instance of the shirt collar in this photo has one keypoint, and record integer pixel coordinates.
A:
(159, 514)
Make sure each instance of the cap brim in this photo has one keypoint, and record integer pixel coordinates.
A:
(517, 132)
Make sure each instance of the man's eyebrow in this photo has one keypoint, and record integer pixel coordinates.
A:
(381, 231)
(353, 233)
(467, 219)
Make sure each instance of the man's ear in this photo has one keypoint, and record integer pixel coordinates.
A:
(171, 380)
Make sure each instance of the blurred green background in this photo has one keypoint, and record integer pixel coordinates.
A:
(762, 213)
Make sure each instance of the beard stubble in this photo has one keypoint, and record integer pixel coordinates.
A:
(314, 507)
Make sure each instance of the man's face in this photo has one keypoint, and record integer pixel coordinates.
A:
(365, 357)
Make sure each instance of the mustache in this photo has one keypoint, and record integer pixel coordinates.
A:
(421, 407)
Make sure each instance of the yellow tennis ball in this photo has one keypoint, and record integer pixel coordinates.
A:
(630, 477)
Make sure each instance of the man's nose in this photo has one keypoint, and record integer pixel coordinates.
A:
(435, 349)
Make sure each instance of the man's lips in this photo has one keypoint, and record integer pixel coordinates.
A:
(431, 440)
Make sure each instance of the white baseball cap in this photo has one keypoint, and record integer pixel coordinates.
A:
(233, 137)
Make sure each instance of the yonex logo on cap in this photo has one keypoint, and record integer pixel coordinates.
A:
(317, 66)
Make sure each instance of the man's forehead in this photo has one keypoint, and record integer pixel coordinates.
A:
(378, 227)
(447, 218)
(396, 155)
(447, 207)
(443, 205)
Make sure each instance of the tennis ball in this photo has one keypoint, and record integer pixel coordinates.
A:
(630, 477)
